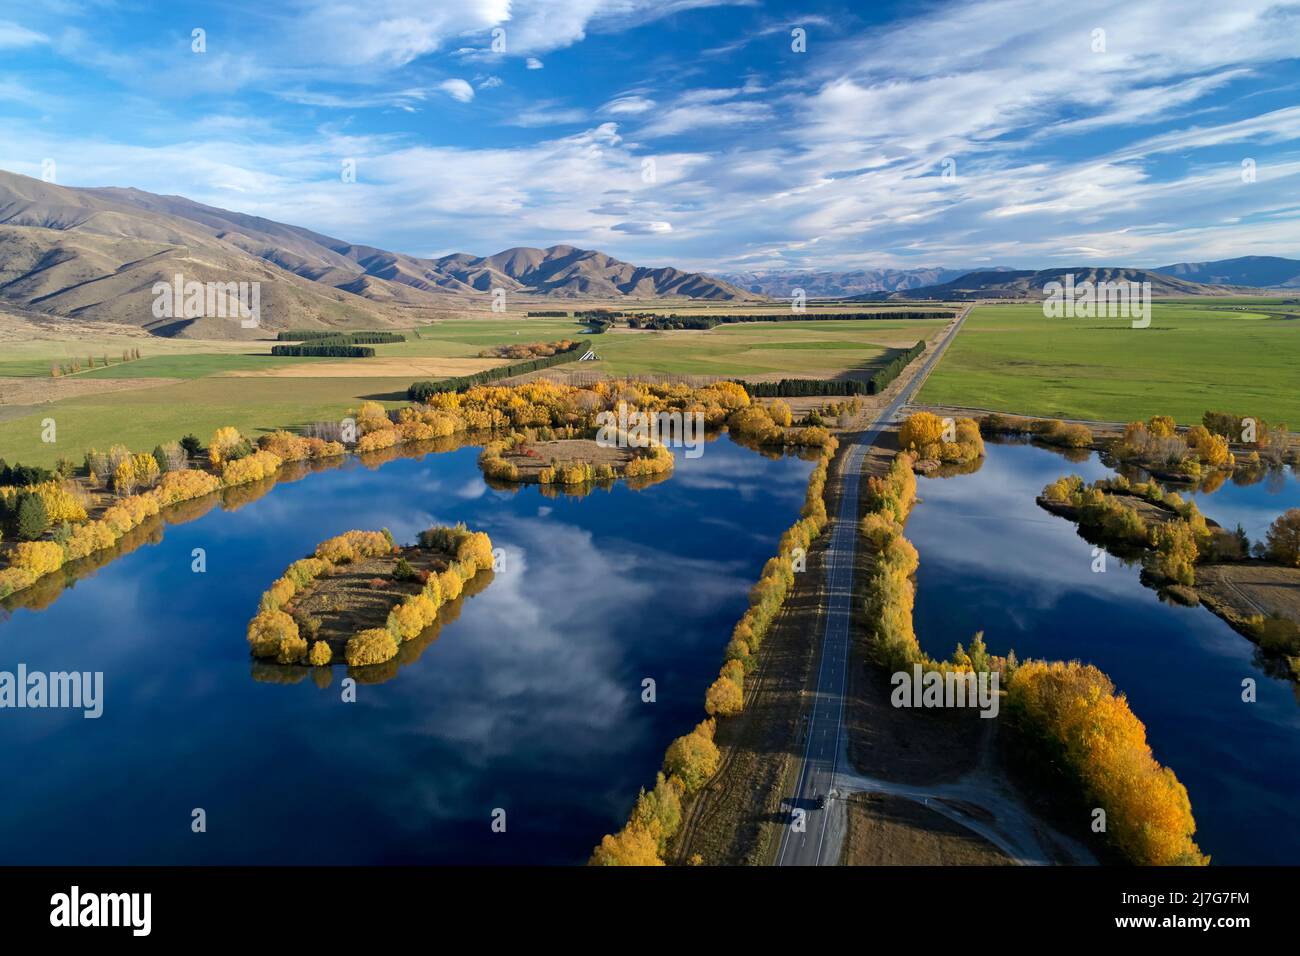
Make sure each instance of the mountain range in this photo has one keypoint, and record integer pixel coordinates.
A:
(838, 285)
(1028, 284)
(96, 253)
(1219, 277)
(1264, 272)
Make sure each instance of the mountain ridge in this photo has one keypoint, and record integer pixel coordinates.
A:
(1028, 284)
(95, 253)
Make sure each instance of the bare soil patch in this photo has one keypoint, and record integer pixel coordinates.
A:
(359, 595)
(1262, 588)
(531, 457)
(885, 830)
(40, 391)
(380, 367)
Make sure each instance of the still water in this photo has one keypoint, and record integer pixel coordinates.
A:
(992, 560)
(529, 701)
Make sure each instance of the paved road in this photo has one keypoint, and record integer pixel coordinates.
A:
(805, 834)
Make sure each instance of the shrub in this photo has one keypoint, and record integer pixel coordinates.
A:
(293, 649)
(226, 444)
(269, 630)
(38, 557)
(184, 485)
(378, 439)
(372, 646)
(15, 579)
(251, 467)
(320, 654)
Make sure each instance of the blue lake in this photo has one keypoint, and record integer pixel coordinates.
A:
(529, 701)
(991, 560)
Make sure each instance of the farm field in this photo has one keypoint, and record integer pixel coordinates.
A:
(239, 383)
(1193, 357)
(817, 349)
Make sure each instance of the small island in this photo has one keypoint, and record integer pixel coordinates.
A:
(360, 595)
(935, 442)
(570, 461)
(1193, 560)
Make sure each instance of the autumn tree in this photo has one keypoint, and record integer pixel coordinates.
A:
(780, 412)
(631, 846)
(920, 429)
(1071, 711)
(1284, 538)
(724, 698)
(659, 811)
(1162, 426)
(693, 758)
(1211, 448)
(226, 443)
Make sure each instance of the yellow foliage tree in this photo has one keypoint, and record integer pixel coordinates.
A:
(631, 846)
(920, 429)
(224, 440)
(693, 758)
(1074, 707)
(724, 698)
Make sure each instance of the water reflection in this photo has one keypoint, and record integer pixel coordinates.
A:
(991, 560)
(526, 697)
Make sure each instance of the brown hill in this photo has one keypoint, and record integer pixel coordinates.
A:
(96, 254)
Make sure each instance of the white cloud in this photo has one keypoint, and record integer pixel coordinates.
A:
(457, 90)
(643, 228)
(703, 115)
(12, 35)
(533, 63)
(546, 114)
(628, 106)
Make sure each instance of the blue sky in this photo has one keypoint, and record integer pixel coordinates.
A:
(687, 132)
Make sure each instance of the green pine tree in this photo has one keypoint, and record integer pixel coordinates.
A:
(33, 520)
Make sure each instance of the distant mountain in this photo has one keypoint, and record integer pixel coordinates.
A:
(573, 273)
(1028, 284)
(838, 285)
(1263, 272)
(95, 254)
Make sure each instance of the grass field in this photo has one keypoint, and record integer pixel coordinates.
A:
(796, 349)
(240, 384)
(1193, 357)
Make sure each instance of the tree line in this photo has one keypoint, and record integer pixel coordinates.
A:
(423, 391)
(892, 369)
(346, 338)
(692, 759)
(1067, 715)
(804, 387)
(663, 323)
